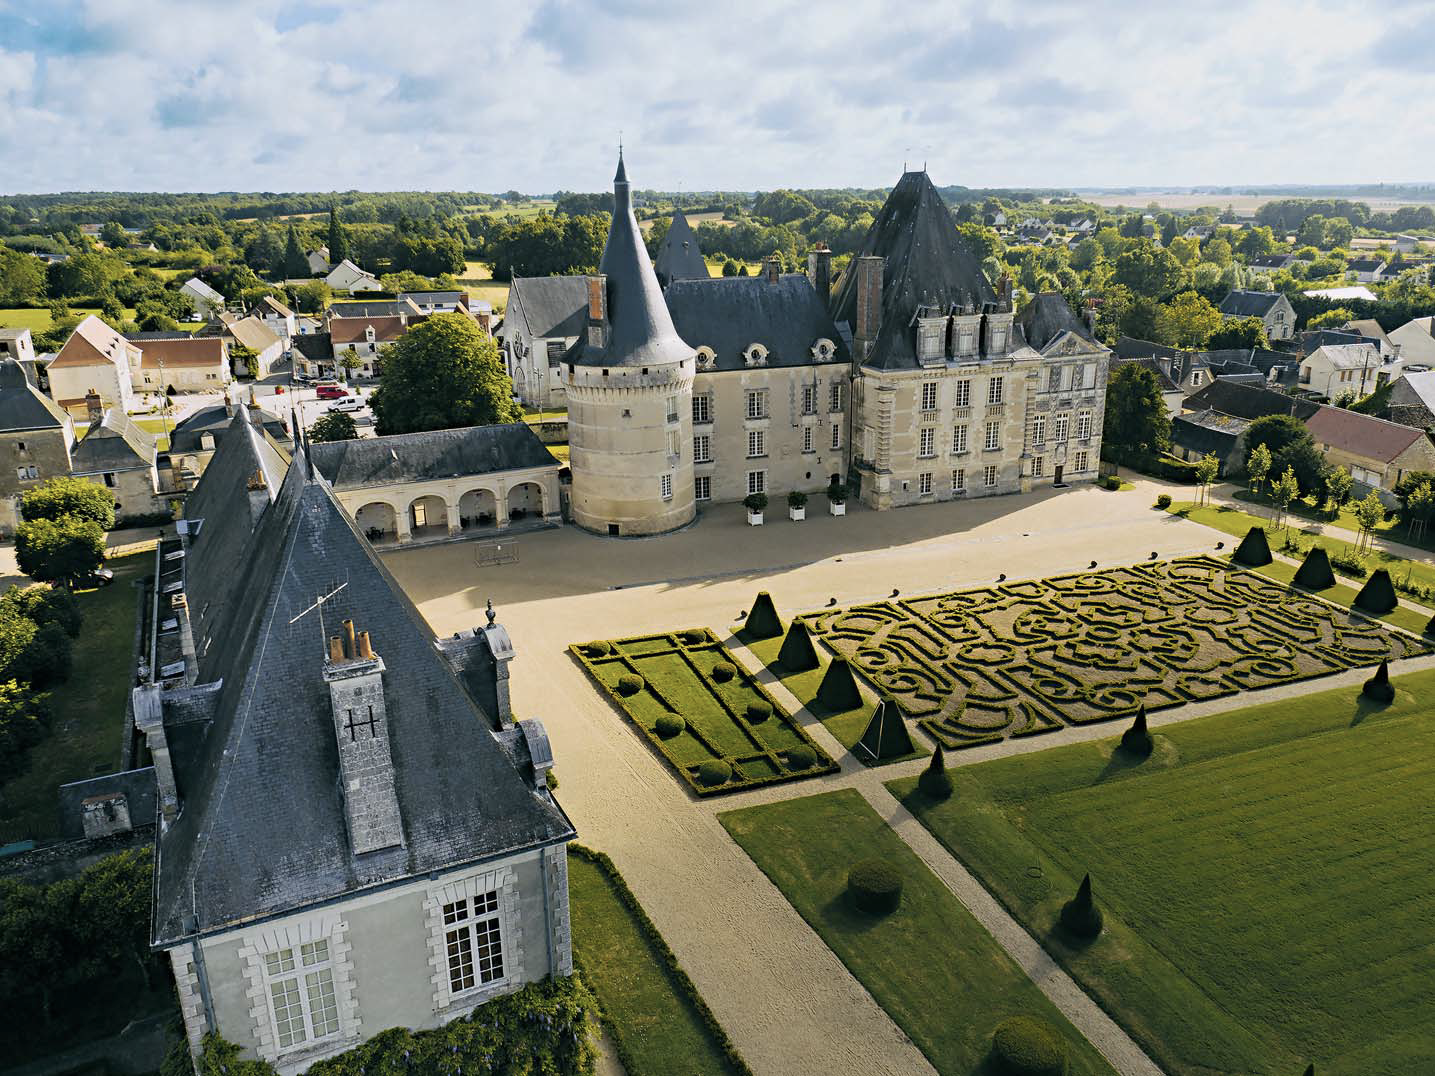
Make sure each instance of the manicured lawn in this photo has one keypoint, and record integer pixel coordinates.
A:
(715, 723)
(648, 1002)
(39, 320)
(1022, 658)
(89, 709)
(846, 725)
(1343, 594)
(930, 965)
(1265, 879)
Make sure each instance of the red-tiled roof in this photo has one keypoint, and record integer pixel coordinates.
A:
(353, 330)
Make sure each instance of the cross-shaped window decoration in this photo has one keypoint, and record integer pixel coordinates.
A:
(352, 726)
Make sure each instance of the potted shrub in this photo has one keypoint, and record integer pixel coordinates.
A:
(837, 498)
(796, 506)
(755, 503)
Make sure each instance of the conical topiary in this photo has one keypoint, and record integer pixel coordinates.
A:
(1377, 597)
(935, 782)
(1378, 688)
(1254, 551)
(1430, 627)
(1137, 739)
(1314, 572)
(763, 622)
(838, 690)
(1310, 1070)
(886, 735)
(797, 653)
(1080, 915)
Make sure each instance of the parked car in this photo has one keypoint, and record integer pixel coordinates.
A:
(100, 577)
(348, 403)
(331, 392)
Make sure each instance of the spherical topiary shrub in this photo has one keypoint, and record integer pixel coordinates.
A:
(801, 757)
(724, 671)
(1163, 501)
(598, 648)
(630, 684)
(693, 636)
(714, 772)
(759, 710)
(669, 725)
(875, 886)
(1025, 1046)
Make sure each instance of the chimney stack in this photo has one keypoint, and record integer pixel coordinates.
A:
(1004, 294)
(350, 650)
(598, 311)
(366, 649)
(94, 407)
(771, 268)
(819, 272)
(1090, 312)
(869, 302)
(336, 650)
(361, 731)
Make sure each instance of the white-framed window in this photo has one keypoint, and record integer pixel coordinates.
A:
(993, 436)
(989, 475)
(757, 481)
(1038, 430)
(836, 437)
(1063, 425)
(1080, 461)
(1053, 379)
(25, 474)
(809, 399)
(473, 942)
(929, 395)
(964, 392)
(1038, 467)
(1083, 425)
(927, 442)
(299, 982)
(667, 487)
(997, 343)
(703, 487)
(757, 403)
(959, 438)
(966, 340)
(702, 448)
(994, 391)
(672, 409)
(1197, 376)
(959, 480)
(834, 397)
(675, 443)
(1088, 375)
(702, 408)
(924, 484)
(808, 440)
(756, 444)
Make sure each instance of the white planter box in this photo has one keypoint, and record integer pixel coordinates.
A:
(754, 519)
(837, 509)
(797, 515)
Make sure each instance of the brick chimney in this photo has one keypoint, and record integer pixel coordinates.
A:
(355, 675)
(771, 268)
(598, 311)
(869, 302)
(819, 271)
(1004, 293)
(94, 407)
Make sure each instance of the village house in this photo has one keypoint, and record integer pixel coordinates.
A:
(318, 261)
(196, 364)
(17, 344)
(1272, 307)
(1365, 270)
(437, 302)
(1215, 419)
(1332, 369)
(313, 355)
(346, 276)
(36, 439)
(1269, 264)
(542, 327)
(258, 337)
(1376, 452)
(370, 308)
(117, 454)
(192, 442)
(366, 339)
(1416, 339)
(95, 358)
(1412, 399)
(206, 301)
(277, 317)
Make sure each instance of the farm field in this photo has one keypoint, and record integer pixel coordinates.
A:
(1264, 878)
(934, 968)
(39, 320)
(1021, 658)
(478, 281)
(712, 721)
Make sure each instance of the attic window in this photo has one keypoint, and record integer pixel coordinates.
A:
(823, 350)
(755, 355)
(931, 338)
(707, 359)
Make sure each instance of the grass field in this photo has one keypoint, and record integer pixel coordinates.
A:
(649, 1014)
(934, 968)
(39, 320)
(478, 281)
(1264, 876)
(89, 708)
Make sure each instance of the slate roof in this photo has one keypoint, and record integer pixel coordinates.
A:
(316, 347)
(728, 314)
(1362, 356)
(1250, 304)
(1240, 400)
(679, 256)
(262, 828)
(1047, 317)
(640, 330)
(200, 290)
(1361, 435)
(216, 419)
(1162, 377)
(1318, 338)
(116, 444)
(550, 306)
(353, 330)
(1365, 265)
(1128, 347)
(1370, 329)
(270, 306)
(373, 308)
(435, 298)
(926, 264)
(419, 457)
(1422, 385)
(1207, 431)
(1270, 261)
(22, 405)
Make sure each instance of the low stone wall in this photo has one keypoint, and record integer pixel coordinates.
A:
(552, 433)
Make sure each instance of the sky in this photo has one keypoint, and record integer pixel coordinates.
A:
(735, 95)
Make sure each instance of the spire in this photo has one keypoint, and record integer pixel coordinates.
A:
(621, 176)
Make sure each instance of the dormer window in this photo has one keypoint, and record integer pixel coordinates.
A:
(755, 355)
(369, 333)
(707, 359)
(823, 350)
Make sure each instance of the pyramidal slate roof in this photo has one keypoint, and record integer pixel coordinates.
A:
(679, 256)
(420, 457)
(640, 330)
(116, 443)
(927, 264)
(1047, 317)
(22, 405)
(550, 306)
(262, 827)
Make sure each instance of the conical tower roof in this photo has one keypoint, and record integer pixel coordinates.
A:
(640, 330)
(679, 256)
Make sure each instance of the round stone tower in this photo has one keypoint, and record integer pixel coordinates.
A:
(630, 395)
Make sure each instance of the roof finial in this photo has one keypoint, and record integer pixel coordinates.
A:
(490, 613)
(622, 174)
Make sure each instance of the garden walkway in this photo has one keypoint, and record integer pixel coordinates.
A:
(789, 1005)
(1225, 495)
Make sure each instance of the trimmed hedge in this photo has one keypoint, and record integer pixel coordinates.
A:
(1254, 551)
(1026, 1046)
(1163, 501)
(1137, 739)
(758, 710)
(669, 725)
(935, 782)
(694, 636)
(598, 648)
(1378, 688)
(714, 772)
(875, 886)
(682, 985)
(1111, 482)
(763, 621)
(1314, 572)
(1080, 915)
(838, 690)
(797, 653)
(801, 757)
(724, 671)
(1377, 597)
(630, 684)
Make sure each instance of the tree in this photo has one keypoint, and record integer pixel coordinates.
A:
(349, 361)
(1206, 470)
(1290, 445)
(1136, 423)
(59, 551)
(296, 265)
(1336, 315)
(1419, 504)
(22, 277)
(113, 235)
(312, 297)
(338, 238)
(65, 496)
(1148, 270)
(335, 426)
(24, 721)
(1283, 491)
(1369, 513)
(1188, 320)
(45, 605)
(1337, 489)
(443, 373)
(1258, 465)
(1311, 233)
(1239, 333)
(1338, 232)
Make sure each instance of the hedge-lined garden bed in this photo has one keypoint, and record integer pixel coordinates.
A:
(713, 722)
